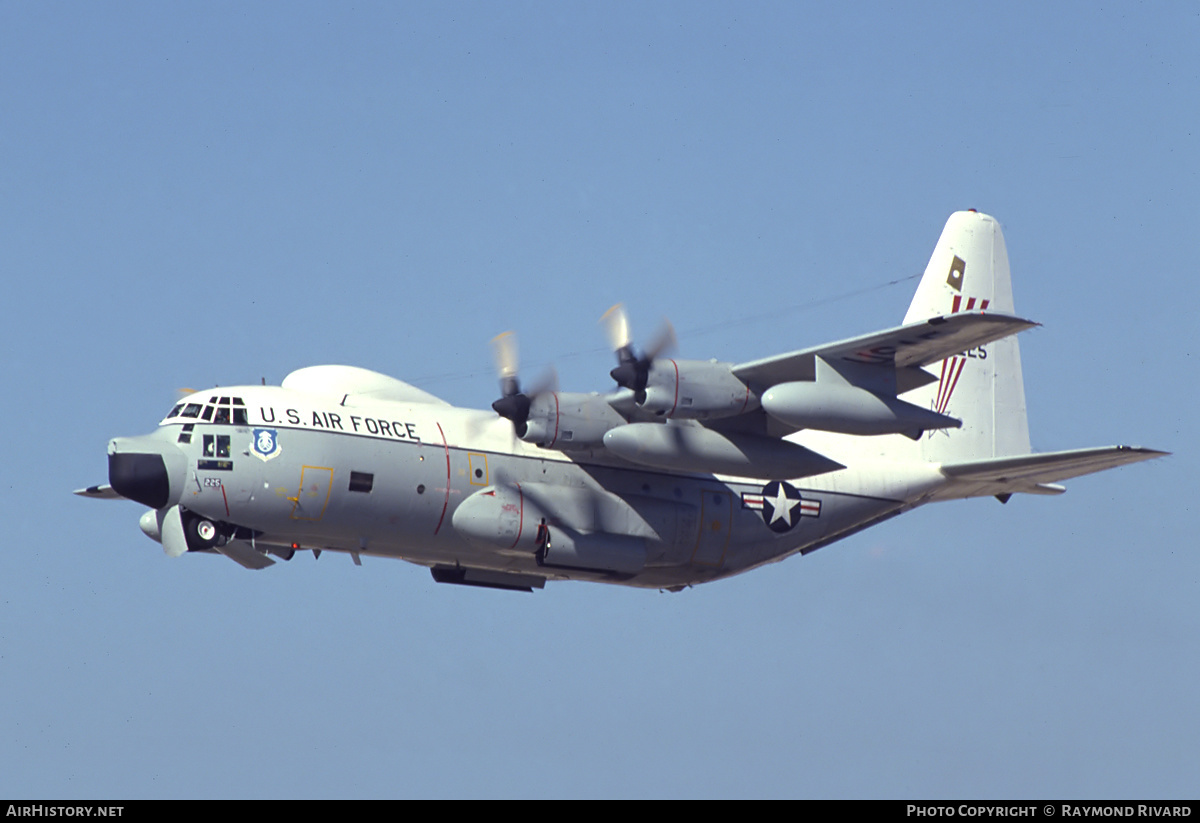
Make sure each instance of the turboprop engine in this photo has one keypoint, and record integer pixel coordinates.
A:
(569, 420)
(695, 390)
(683, 389)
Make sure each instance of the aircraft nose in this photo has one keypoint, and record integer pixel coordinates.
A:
(146, 469)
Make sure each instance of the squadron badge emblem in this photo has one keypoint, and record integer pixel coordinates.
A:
(264, 444)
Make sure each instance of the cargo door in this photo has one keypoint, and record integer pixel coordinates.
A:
(310, 502)
(716, 520)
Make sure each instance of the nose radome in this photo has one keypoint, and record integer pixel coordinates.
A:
(140, 477)
(142, 469)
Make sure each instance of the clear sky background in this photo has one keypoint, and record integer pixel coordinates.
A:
(194, 194)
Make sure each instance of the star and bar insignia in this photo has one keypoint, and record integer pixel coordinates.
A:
(781, 505)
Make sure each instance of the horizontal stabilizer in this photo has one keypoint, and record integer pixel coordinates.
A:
(911, 345)
(104, 492)
(1035, 473)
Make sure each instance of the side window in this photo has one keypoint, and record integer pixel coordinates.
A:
(361, 481)
(216, 445)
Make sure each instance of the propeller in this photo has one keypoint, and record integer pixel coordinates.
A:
(170, 530)
(632, 371)
(514, 404)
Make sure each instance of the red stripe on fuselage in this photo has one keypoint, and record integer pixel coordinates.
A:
(556, 419)
(521, 517)
(446, 502)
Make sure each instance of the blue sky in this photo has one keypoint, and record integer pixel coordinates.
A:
(197, 194)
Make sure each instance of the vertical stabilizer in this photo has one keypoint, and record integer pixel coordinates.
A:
(982, 387)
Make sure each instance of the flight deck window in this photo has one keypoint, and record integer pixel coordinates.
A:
(216, 445)
(192, 410)
(361, 481)
(224, 413)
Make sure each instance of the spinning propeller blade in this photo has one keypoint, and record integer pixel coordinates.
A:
(632, 371)
(513, 403)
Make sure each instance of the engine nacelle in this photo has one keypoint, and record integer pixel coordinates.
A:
(570, 420)
(695, 390)
(847, 409)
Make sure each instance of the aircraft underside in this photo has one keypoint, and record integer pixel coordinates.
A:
(632, 527)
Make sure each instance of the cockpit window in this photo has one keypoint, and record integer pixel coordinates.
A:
(219, 411)
(226, 413)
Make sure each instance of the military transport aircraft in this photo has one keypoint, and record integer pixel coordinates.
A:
(689, 471)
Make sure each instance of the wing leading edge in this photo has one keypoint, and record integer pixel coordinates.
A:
(910, 346)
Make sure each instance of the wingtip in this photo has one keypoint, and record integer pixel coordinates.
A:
(1150, 453)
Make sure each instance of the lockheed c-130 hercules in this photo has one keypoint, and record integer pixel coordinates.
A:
(688, 472)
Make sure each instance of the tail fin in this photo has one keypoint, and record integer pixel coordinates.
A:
(983, 387)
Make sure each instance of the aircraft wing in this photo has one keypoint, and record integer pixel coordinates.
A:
(1036, 473)
(910, 346)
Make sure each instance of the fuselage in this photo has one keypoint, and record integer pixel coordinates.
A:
(376, 477)
(691, 471)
